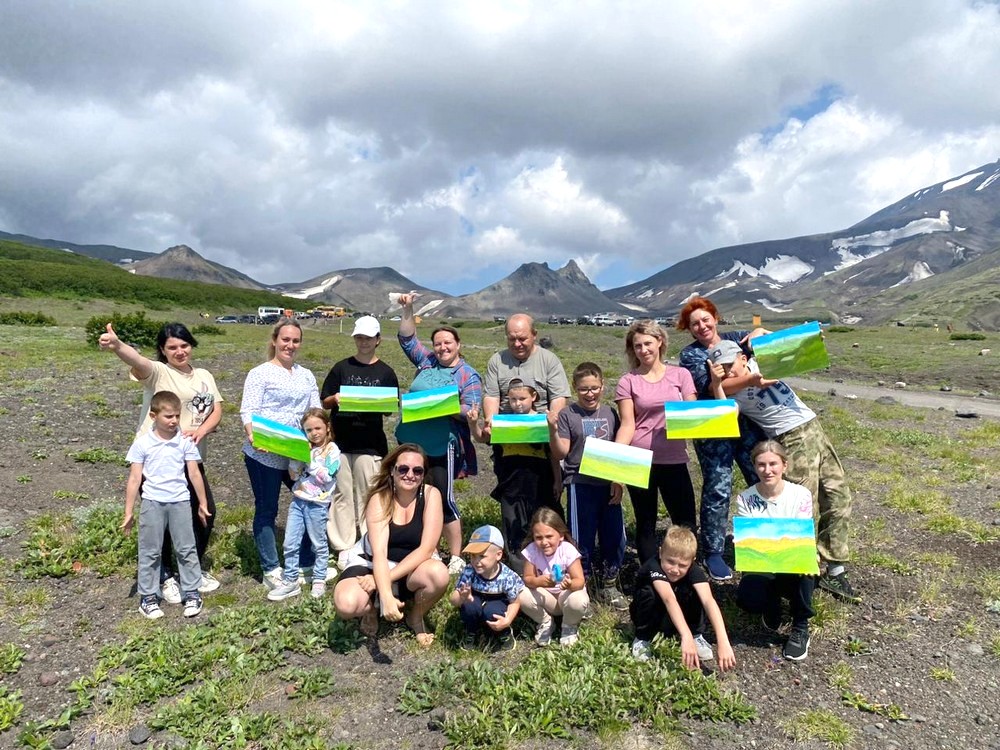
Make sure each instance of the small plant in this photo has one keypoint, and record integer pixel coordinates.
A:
(839, 675)
(24, 479)
(820, 724)
(39, 454)
(943, 674)
(856, 647)
(10, 708)
(309, 683)
(891, 711)
(69, 495)
(99, 456)
(11, 656)
(967, 629)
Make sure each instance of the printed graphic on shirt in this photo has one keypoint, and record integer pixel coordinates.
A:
(201, 405)
(597, 427)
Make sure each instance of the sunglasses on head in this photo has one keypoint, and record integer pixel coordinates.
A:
(403, 470)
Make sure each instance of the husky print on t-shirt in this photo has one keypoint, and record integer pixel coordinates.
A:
(201, 405)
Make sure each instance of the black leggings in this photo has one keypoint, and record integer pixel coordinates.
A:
(673, 482)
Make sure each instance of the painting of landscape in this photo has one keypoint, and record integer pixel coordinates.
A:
(791, 352)
(362, 398)
(616, 462)
(519, 428)
(693, 420)
(434, 402)
(775, 545)
(275, 437)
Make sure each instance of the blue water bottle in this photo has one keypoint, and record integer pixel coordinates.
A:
(557, 573)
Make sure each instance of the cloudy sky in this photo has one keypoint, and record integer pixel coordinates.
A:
(454, 141)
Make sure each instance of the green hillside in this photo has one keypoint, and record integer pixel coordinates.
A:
(31, 272)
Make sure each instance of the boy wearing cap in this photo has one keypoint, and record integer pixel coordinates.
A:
(486, 591)
(812, 460)
(359, 436)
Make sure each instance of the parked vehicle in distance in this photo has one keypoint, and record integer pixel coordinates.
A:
(603, 320)
(248, 319)
(227, 319)
(499, 318)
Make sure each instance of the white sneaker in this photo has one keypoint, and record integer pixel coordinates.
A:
(703, 648)
(543, 636)
(274, 578)
(332, 573)
(305, 576)
(286, 590)
(569, 636)
(192, 606)
(456, 565)
(641, 650)
(170, 592)
(318, 590)
(150, 608)
(208, 583)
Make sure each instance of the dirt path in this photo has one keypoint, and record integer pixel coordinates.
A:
(925, 399)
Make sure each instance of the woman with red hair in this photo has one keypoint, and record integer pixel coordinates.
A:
(700, 317)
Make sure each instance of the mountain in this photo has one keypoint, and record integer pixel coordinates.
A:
(536, 289)
(876, 270)
(181, 262)
(365, 289)
(110, 253)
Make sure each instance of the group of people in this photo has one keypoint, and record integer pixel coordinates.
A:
(376, 516)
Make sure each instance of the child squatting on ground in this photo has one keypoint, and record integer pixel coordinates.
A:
(310, 507)
(486, 592)
(672, 597)
(593, 506)
(554, 584)
(773, 497)
(158, 460)
(812, 460)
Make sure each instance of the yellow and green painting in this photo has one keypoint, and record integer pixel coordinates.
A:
(364, 398)
(615, 462)
(275, 437)
(791, 351)
(434, 402)
(694, 420)
(775, 545)
(519, 428)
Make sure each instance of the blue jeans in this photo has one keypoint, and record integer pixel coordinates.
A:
(309, 519)
(265, 482)
(593, 518)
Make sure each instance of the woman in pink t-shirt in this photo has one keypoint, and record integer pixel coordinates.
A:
(640, 395)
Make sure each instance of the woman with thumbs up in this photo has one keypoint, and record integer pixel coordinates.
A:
(201, 410)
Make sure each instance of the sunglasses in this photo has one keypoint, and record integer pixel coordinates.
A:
(403, 470)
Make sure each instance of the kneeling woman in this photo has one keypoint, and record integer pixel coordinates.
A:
(391, 568)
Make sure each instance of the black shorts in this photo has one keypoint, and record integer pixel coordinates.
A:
(399, 588)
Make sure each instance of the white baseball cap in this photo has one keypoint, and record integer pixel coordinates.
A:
(366, 325)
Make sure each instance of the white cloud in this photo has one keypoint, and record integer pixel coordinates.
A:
(454, 140)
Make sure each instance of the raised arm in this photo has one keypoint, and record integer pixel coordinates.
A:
(407, 325)
(140, 366)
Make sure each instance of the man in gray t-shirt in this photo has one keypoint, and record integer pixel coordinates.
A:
(523, 359)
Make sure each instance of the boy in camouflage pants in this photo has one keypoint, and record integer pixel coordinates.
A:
(812, 460)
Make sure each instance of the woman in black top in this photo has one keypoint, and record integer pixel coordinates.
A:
(393, 561)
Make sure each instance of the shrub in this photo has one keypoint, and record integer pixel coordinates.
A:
(20, 318)
(133, 328)
(840, 329)
(207, 329)
(967, 337)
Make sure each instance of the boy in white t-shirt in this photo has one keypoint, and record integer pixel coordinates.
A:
(158, 459)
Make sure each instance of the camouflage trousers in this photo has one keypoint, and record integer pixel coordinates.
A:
(813, 463)
(716, 459)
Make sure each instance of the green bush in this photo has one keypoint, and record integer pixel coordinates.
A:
(132, 328)
(840, 329)
(20, 318)
(207, 329)
(967, 337)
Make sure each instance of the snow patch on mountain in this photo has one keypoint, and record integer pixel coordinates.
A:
(314, 290)
(773, 306)
(919, 271)
(963, 180)
(740, 269)
(876, 243)
(786, 268)
(636, 308)
(730, 285)
(646, 294)
(989, 180)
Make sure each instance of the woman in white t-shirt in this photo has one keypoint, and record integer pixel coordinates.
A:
(201, 410)
(640, 396)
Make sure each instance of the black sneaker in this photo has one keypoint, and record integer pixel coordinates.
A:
(839, 586)
(505, 641)
(797, 646)
(469, 641)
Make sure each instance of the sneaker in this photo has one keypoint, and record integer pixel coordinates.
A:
(703, 647)
(569, 636)
(470, 640)
(274, 578)
(318, 590)
(305, 576)
(208, 583)
(456, 565)
(839, 586)
(150, 607)
(332, 573)
(717, 568)
(641, 650)
(505, 641)
(170, 592)
(797, 646)
(543, 636)
(612, 595)
(286, 590)
(192, 606)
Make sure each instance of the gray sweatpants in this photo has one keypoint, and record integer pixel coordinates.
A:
(154, 518)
